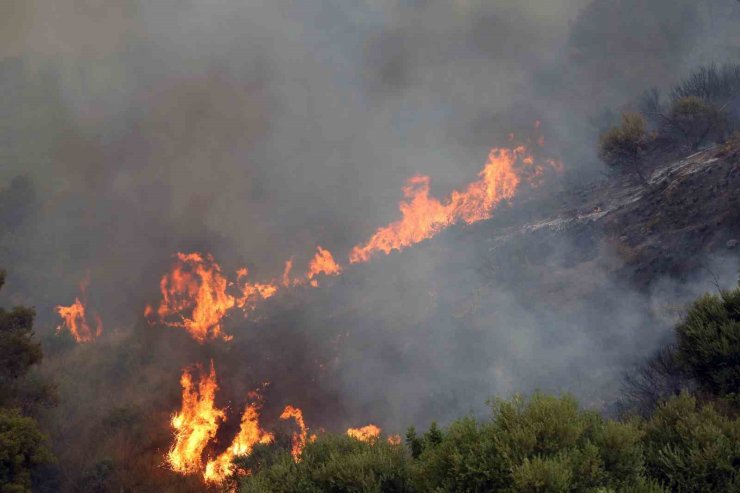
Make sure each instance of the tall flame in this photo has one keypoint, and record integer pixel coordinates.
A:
(196, 424)
(368, 433)
(195, 296)
(423, 216)
(75, 318)
(299, 437)
(250, 434)
(286, 274)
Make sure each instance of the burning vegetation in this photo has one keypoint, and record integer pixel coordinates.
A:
(276, 214)
(197, 296)
(83, 325)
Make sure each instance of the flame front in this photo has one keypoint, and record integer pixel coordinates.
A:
(250, 434)
(423, 216)
(75, 318)
(196, 424)
(195, 296)
(322, 263)
(299, 438)
(251, 292)
(368, 433)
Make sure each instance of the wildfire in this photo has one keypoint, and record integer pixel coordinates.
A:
(322, 263)
(368, 433)
(249, 435)
(74, 318)
(250, 293)
(394, 439)
(196, 424)
(286, 273)
(423, 216)
(299, 438)
(196, 297)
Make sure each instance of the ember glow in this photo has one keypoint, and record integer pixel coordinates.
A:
(196, 423)
(250, 434)
(75, 318)
(368, 433)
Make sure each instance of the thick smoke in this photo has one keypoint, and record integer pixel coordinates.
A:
(257, 130)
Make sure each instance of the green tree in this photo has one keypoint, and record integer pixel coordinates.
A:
(694, 121)
(22, 448)
(332, 463)
(22, 445)
(717, 85)
(692, 448)
(623, 147)
(18, 350)
(709, 342)
(539, 444)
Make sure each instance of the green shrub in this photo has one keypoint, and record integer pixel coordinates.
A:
(695, 121)
(691, 448)
(709, 342)
(541, 444)
(333, 463)
(22, 448)
(623, 146)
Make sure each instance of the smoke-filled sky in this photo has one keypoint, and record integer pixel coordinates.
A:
(257, 130)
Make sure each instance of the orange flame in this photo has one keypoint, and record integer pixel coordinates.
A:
(299, 438)
(74, 318)
(250, 292)
(195, 296)
(394, 439)
(286, 273)
(368, 433)
(196, 424)
(195, 285)
(322, 263)
(424, 216)
(250, 434)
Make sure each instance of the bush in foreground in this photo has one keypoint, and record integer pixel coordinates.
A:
(693, 448)
(543, 444)
(332, 463)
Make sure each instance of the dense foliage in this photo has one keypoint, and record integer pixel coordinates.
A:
(709, 342)
(682, 442)
(23, 446)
